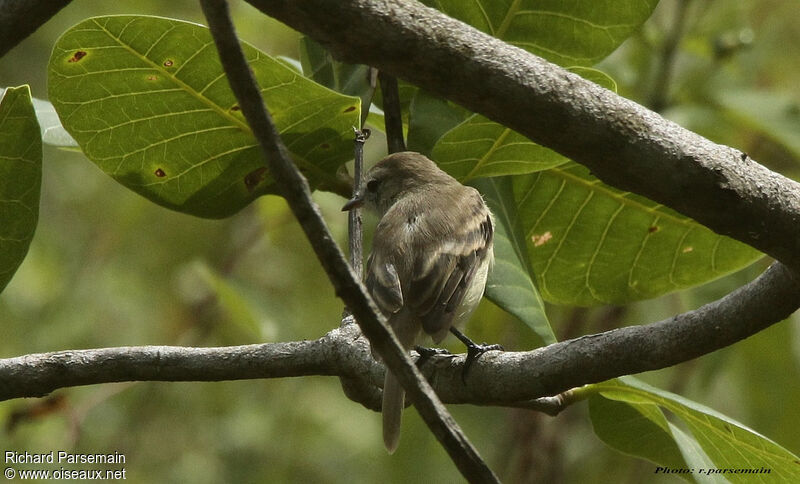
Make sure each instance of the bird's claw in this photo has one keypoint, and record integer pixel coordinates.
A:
(474, 351)
(427, 353)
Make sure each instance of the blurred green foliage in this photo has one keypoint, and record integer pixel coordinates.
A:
(108, 268)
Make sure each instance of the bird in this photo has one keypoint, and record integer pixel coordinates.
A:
(432, 251)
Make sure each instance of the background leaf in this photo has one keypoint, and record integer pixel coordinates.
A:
(429, 118)
(20, 178)
(479, 147)
(147, 100)
(350, 79)
(718, 439)
(638, 429)
(567, 33)
(777, 116)
(593, 244)
(510, 284)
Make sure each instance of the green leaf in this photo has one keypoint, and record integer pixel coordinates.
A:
(636, 429)
(230, 298)
(349, 79)
(148, 102)
(567, 33)
(695, 457)
(777, 116)
(510, 284)
(479, 147)
(593, 244)
(20, 178)
(716, 442)
(429, 117)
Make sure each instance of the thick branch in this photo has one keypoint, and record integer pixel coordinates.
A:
(623, 143)
(497, 378)
(19, 19)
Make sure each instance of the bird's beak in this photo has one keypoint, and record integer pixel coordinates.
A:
(354, 202)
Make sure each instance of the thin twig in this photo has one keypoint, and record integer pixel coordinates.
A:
(354, 228)
(347, 285)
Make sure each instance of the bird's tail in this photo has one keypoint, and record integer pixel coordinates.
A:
(392, 408)
(393, 394)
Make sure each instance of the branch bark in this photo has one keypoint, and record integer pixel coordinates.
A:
(623, 143)
(497, 378)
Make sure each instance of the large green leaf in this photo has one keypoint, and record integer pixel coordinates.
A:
(638, 429)
(510, 284)
(148, 102)
(593, 244)
(568, 33)
(717, 442)
(20, 178)
(479, 147)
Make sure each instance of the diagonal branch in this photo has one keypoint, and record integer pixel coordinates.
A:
(497, 378)
(347, 284)
(20, 19)
(623, 143)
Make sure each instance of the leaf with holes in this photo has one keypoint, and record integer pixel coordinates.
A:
(592, 244)
(567, 33)
(148, 102)
(20, 178)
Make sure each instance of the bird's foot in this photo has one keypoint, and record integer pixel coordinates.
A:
(474, 351)
(427, 353)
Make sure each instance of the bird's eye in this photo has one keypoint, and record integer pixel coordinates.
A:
(372, 185)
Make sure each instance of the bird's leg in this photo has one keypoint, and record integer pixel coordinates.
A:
(474, 351)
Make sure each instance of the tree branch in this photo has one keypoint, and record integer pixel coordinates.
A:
(497, 378)
(347, 284)
(19, 19)
(623, 143)
(392, 116)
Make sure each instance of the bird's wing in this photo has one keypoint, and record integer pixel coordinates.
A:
(383, 283)
(425, 262)
(443, 277)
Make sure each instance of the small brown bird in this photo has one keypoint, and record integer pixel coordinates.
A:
(431, 253)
